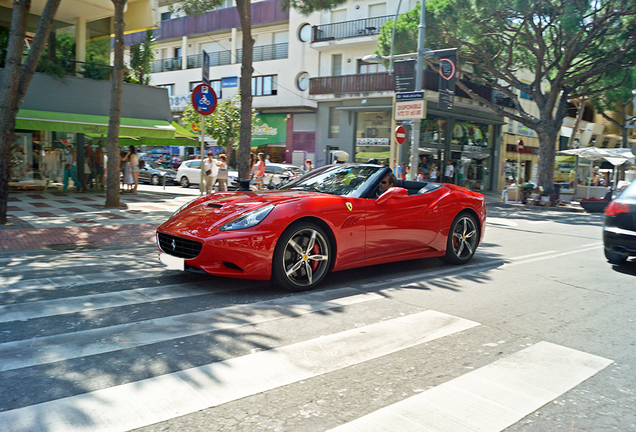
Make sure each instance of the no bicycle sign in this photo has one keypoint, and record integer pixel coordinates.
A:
(204, 99)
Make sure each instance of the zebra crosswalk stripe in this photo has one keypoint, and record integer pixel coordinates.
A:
(161, 398)
(488, 399)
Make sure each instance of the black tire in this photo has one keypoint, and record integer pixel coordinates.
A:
(462, 239)
(155, 180)
(302, 257)
(614, 257)
(185, 182)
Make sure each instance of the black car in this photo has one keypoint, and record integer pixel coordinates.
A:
(154, 172)
(619, 232)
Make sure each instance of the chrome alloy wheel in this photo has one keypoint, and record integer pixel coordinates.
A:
(305, 258)
(464, 238)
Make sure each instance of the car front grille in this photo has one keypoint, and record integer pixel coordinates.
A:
(179, 246)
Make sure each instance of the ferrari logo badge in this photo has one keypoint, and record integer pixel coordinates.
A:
(349, 206)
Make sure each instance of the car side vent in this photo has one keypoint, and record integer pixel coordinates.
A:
(178, 246)
(215, 205)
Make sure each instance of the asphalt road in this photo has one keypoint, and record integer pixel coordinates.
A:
(535, 334)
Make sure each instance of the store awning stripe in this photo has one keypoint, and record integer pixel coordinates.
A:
(91, 124)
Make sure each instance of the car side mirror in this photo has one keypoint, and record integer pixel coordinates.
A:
(391, 193)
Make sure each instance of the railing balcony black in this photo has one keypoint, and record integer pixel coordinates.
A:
(383, 81)
(349, 29)
(267, 52)
(165, 65)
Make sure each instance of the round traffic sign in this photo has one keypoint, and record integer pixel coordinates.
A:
(400, 134)
(520, 146)
(204, 99)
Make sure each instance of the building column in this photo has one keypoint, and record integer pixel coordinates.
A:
(184, 52)
(80, 44)
(233, 58)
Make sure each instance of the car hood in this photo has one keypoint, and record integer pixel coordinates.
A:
(212, 211)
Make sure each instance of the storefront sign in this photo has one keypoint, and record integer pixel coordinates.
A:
(512, 148)
(447, 76)
(229, 82)
(269, 129)
(409, 110)
(404, 75)
(373, 142)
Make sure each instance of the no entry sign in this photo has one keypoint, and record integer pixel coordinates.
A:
(204, 99)
(400, 134)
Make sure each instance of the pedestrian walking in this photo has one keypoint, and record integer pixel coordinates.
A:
(449, 172)
(70, 169)
(211, 170)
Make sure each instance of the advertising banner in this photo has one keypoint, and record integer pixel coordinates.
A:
(447, 77)
(269, 129)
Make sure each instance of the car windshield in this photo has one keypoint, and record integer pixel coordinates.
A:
(158, 165)
(343, 180)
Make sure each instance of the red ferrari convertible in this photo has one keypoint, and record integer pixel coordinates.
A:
(331, 219)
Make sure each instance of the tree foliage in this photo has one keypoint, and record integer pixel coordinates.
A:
(619, 98)
(193, 7)
(565, 46)
(142, 55)
(223, 124)
(16, 77)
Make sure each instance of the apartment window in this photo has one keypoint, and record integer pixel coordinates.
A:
(334, 122)
(367, 68)
(338, 15)
(165, 16)
(265, 85)
(377, 10)
(524, 95)
(336, 64)
(177, 52)
(170, 88)
(215, 84)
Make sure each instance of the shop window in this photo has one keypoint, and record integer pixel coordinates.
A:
(265, 85)
(334, 122)
(373, 136)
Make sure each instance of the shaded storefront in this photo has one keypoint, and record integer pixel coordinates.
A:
(56, 112)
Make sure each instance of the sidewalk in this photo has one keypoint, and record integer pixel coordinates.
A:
(64, 220)
(59, 220)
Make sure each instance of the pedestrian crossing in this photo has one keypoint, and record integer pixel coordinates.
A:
(98, 355)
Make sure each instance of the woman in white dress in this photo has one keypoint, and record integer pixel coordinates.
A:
(127, 178)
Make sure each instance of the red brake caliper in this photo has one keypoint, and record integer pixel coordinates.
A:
(314, 251)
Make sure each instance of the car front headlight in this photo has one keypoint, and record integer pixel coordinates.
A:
(248, 220)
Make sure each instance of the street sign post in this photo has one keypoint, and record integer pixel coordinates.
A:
(205, 70)
(204, 102)
(400, 135)
(410, 105)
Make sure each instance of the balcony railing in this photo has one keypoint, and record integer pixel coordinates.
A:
(349, 29)
(165, 65)
(267, 52)
(383, 81)
(220, 58)
(359, 83)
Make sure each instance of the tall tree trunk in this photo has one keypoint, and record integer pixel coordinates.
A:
(547, 152)
(112, 146)
(245, 14)
(15, 81)
(577, 122)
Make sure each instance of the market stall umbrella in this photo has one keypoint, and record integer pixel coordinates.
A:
(614, 156)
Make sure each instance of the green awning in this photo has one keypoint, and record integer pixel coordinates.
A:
(180, 130)
(91, 124)
(126, 141)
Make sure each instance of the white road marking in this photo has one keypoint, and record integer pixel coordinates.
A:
(153, 400)
(443, 272)
(489, 399)
(530, 256)
(33, 352)
(528, 261)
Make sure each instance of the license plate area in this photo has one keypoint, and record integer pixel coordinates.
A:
(172, 262)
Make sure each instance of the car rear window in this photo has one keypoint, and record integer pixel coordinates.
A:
(629, 192)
